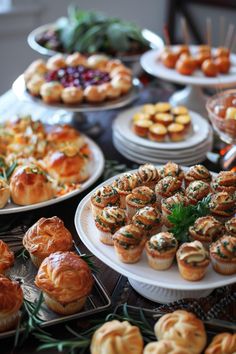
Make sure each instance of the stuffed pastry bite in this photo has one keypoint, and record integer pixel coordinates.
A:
(168, 204)
(230, 227)
(225, 182)
(197, 173)
(223, 343)
(223, 255)
(148, 219)
(61, 135)
(149, 175)
(138, 199)
(6, 257)
(124, 186)
(4, 193)
(103, 197)
(171, 169)
(196, 191)
(167, 187)
(223, 204)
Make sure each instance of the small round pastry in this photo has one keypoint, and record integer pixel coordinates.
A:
(115, 337)
(112, 64)
(56, 62)
(184, 328)
(230, 226)
(138, 199)
(64, 134)
(36, 67)
(201, 57)
(6, 257)
(108, 222)
(120, 70)
(140, 116)
(167, 187)
(225, 182)
(176, 131)
(51, 92)
(76, 59)
(46, 236)
(124, 186)
(185, 65)
(193, 260)
(223, 64)
(223, 343)
(142, 127)
(34, 84)
(163, 107)
(103, 197)
(206, 229)
(222, 52)
(157, 132)
(171, 169)
(223, 255)
(184, 120)
(29, 185)
(66, 281)
(149, 175)
(197, 173)
(122, 82)
(97, 61)
(167, 205)
(4, 193)
(169, 59)
(179, 110)
(110, 91)
(163, 118)
(209, 68)
(149, 109)
(196, 191)
(148, 219)
(164, 346)
(161, 249)
(94, 94)
(128, 243)
(223, 204)
(72, 95)
(11, 299)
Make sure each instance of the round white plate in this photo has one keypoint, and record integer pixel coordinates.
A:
(96, 166)
(123, 125)
(141, 272)
(153, 66)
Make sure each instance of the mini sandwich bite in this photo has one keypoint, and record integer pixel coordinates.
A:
(6, 257)
(66, 281)
(139, 198)
(223, 255)
(46, 236)
(148, 219)
(103, 197)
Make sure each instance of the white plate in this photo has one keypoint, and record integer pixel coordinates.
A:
(123, 125)
(153, 66)
(96, 166)
(140, 271)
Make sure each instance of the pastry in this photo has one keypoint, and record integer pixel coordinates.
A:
(66, 281)
(206, 230)
(11, 299)
(184, 120)
(140, 116)
(36, 67)
(167, 187)
(94, 94)
(162, 107)
(160, 250)
(148, 174)
(29, 185)
(6, 257)
(167, 205)
(196, 191)
(34, 84)
(230, 226)
(193, 260)
(115, 337)
(223, 255)
(223, 343)
(108, 222)
(4, 193)
(51, 92)
(171, 169)
(179, 110)
(165, 346)
(63, 134)
(157, 132)
(76, 59)
(197, 172)
(72, 95)
(225, 182)
(46, 236)
(184, 328)
(176, 131)
(111, 91)
(125, 184)
(56, 62)
(149, 109)
(163, 118)
(148, 219)
(97, 61)
(139, 198)
(141, 127)
(122, 82)
(103, 197)
(223, 204)
(128, 243)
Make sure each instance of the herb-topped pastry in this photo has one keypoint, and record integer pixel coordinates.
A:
(128, 243)
(223, 343)
(139, 198)
(197, 173)
(171, 169)
(124, 186)
(6, 257)
(4, 193)
(223, 255)
(225, 182)
(193, 260)
(149, 175)
(196, 191)
(104, 196)
(148, 219)
(206, 229)
(108, 222)
(161, 249)
(230, 226)
(167, 205)
(167, 187)
(223, 204)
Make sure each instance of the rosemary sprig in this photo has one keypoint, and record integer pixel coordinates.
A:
(182, 217)
(7, 172)
(22, 253)
(88, 260)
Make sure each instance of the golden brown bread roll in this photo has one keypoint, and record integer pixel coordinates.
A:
(36, 67)
(4, 192)
(29, 185)
(138, 199)
(61, 134)
(11, 298)
(66, 281)
(223, 255)
(171, 169)
(46, 236)
(103, 197)
(197, 172)
(165, 346)
(149, 175)
(51, 92)
(6, 257)
(115, 337)
(223, 343)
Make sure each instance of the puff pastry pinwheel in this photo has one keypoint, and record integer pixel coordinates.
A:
(223, 255)
(225, 182)
(104, 196)
(139, 198)
(149, 175)
(171, 169)
(148, 219)
(197, 173)
(66, 281)
(223, 343)
(165, 346)
(223, 204)
(197, 190)
(124, 186)
(115, 337)
(6, 257)
(167, 187)
(230, 226)
(167, 205)
(4, 192)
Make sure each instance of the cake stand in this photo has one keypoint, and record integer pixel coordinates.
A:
(77, 115)
(192, 95)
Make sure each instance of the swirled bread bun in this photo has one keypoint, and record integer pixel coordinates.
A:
(123, 82)
(124, 186)
(167, 205)
(66, 281)
(197, 173)
(223, 255)
(4, 193)
(64, 134)
(167, 187)
(51, 92)
(196, 191)
(223, 204)
(230, 226)
(223, 343)
(11, 299)
(149, 175)
(30, 185)
(6, 257)
(184, 328)
(103, 197)
(46, 236)
(138, 199)
(148, 220)
(115, 337)
(165, 346)
(171, 169)
(225, 182)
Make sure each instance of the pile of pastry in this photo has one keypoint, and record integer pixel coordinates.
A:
(132, 213)
(50, 161)
(63, 276)
(160, 122)
(75, 78)
(177, 332)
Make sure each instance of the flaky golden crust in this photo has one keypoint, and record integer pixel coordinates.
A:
(171, 169)
(197, 190)
(197, 172)
(4, 193)
(36, 67)
(225, 181)
(72, 95)
(167, 187)
(148, 219)
(223, 204)
(62, 134)
(94, 94)
(105, 196)
(117, 337)
(148, 174)
(110, 219)
(184, 328)
(51, 92)
(65, 277)
(223, 256)
(6, 257)
(206, 229)
(46, 236)
(165, 346)
(230, 226)
(141, 197)
(11, 296)
(223, 343)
